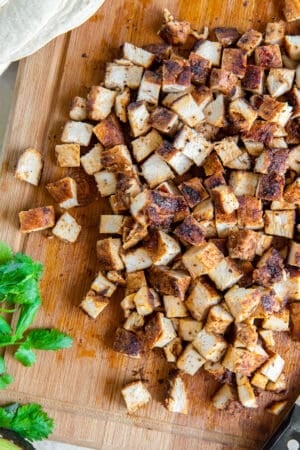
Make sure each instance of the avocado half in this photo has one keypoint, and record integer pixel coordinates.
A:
(10, 440)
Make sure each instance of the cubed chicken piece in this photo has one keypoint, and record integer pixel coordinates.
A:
(190, 231)
(176, 75)
(138, 117)
(127, 304)
(253, 80)
(176, 400)
(280, 81)
(106, 182)
(93, 304)
(259, 381)
(193, 145)
(242, 244)
(159, 331)
(202, 259)
(170, 98)
(252, 147)
(241, 361)
(242, 162)
(156, 170)
(109, 132)
(204, 210)
(149, 88)
(280, 223)
(64, 192)
(292, 192)
(116, 277)
(168, 281)
(165, 208)
(188, 329)
(274, 111)
(68, 155)
(227, 150)
(215, 112)
(211, 346)
(212, 165)
(245, 392)
(294, 254)
(274, 33)
(128, 181)
(218, 371)
(128, 343)
(223, 81)
(267, 337)
(135, 395)
(273, 367)
(277, 407)
(242, 114)
(250, 213)
(121, 76)
(134, 322)
(245, 336)
(108, 254)
(270, 187)
(193, 191)
(294, 159)
(111, 224)
(101, 285)
(132, 233)
(295, 320)
(174, 307)
(137, 55)
(78, 109)
(37, 219)
(67, 228)
(224, 199)
(293, 283)
(278, 321)
(209, 50)
(134, 281)
(200, 68)
(145, 300)
(175, 158)
(292, 45)
(91, 161)
(122, 100)
(218, 320)
(225, 274)
(164, 120)
(137, 259)
(268, 56)
(269, 268)
(214, 181)
(227, 35)
(242, 302)
(225, 224)
(249, 41)
(188, 110)
(145, 145)
(234, 60)
(163, 248)
(201, 298)
(272, 160)
(279, 385)
(173, 349)
(224, 397)
(77, 133)
(117, 159)
(100, 102)
(190, 360)
(29, 167)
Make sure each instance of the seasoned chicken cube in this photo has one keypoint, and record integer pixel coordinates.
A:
(100, 102)
(270, 187)
(193, 145)
(249, 41)
(215, 112)
(204, 210)
(128, 305)
(209, 50)
(276, 408)
(138, 117)
(168, 281)
(280, 81)
(280, 223)
(135, 280)
(176, 400)
(268, 339)
(225, 224)
(273, 367)
(292, 45)
(78, 109)
(128, 343)
(202, 259)
(227, 35)
(218, 320)
(292, 192)
(242, 114)
(212, 165)
(144, 300)
(190, 360)
(175, 158)
(137, 259)
(295, 320)
(111, 224)
(77, 133)
(200, 68)
(163, 248)
(37, 219)
(135, 395)
(241, 361)
(106, 182)
(91, 161)
(188, 110)
(145, 145)
(108, 254)
(294, 254)
(202, 296)
(225, 274)
(68, 155)
(245, 392)
(101, 285)
(253, 80)
(164, 120)
(156, 170)
(159, 331)
(227, 150)
(93, 304)
(278, 321)
(173, 350)
(223, 81)
(211, 346)
(214, 181)
(278, 386)
(149, 88)
(250, 213)
(109, 132)
(242, 302)
(274, 33)
(242, 244)
(224, 199)
(190, 231)
(272, 160)
(269, 268)
(174, 307)
(245, 336)
(29, 167)
(122, 100)
(193, 191)
(188, 329)
(234, 60)
(137, 55)
(176, 75)
(259, 381)
(64, 192)
(223, 397)
(121, 76)
(117, 159)
(274, 111)
(132, 233)
(67, 228)
(268, 56)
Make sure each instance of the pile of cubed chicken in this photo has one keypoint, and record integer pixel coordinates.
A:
(198, 153)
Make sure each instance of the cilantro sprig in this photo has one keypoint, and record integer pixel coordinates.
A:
(29, 421)
(20, 294)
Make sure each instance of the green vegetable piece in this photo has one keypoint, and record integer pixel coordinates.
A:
(26, 317)
(5, 328)
(25, 355)
(2, 365)
(5, 380)
(6, 253)
(48, 339)
(32, 423)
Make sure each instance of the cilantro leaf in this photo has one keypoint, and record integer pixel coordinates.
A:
(5, 253)
(5, 328)
(48, 339)
(26, 317)
(6, 415)
(2, 365)
(5, 380)
(32, 423)
(25, 355)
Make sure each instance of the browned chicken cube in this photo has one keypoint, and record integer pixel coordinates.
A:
(272, 161)
(270, 187)
(223, 81)
(117, 159)
(250, 40)
(242, 244)
(269, 268)
(190, 231)
(295, 320)
(128, 343)
(163, 120)
(37, 219)
(109, 132)
(64, 192)
(200, 68)
(193, 191)
(212, 165)
(168, 281)
(268, 56)
(253, 80)
(235, 60)
(292, 192)
(227, 35)
(176, 75)
(250, 212)
(108, 254)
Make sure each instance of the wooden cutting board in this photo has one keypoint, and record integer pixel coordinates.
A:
(81, 387)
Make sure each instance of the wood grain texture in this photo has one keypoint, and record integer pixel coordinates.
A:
(81, 387)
